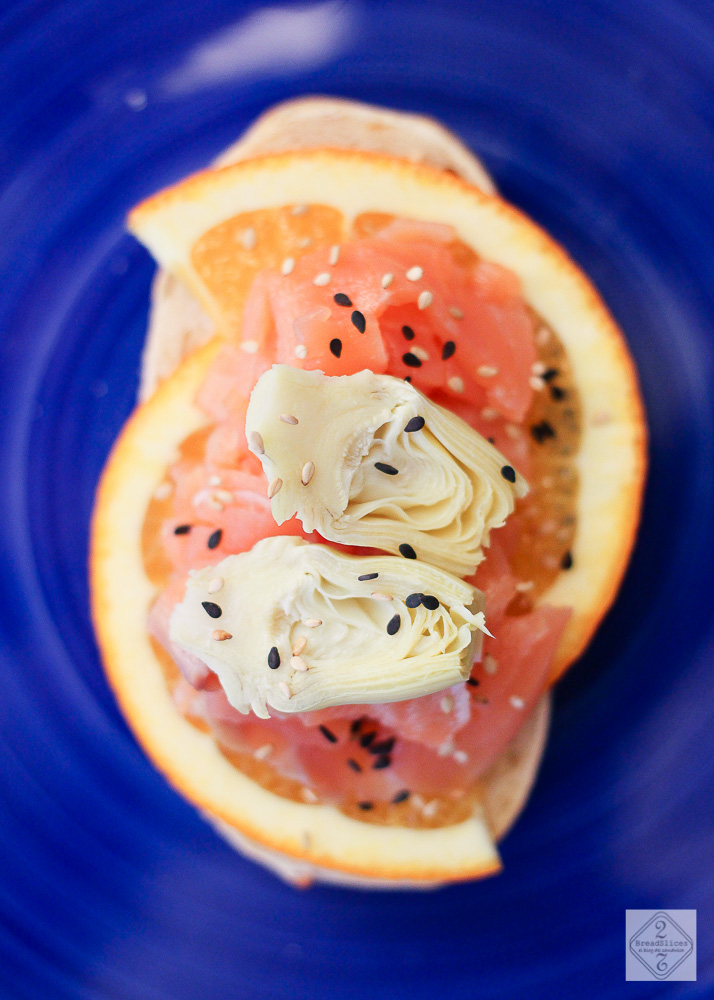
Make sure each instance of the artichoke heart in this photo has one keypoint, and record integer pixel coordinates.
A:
(293, 627)
(368, 460)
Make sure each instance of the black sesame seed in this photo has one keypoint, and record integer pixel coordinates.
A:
(214, 540)
(351, 762)
(183, 529)
(381, 762)
(366, 805)
(415, 424)
(336, 347)
(407, 378)
(388, 470)
(508, 473)
(472, 682)
(408, 333)
(557, 393)
(359, 321)
(368, 576)
(407, 551)
(355, 726)
(328, 734)
(414, 600)
(400, 797)
(567, 561)
(549, 374)
(430, 602)
(384, 746)
(393, 625)
(491, 440)
(411, 360)
(367, 739)
(542, 431)
(274, 658)
(342, 300)
(447, 350)
(212, 609)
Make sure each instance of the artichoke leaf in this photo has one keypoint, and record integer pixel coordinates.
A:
(368, 460)
(293, 626)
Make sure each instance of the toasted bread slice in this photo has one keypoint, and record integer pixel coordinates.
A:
(302, 841)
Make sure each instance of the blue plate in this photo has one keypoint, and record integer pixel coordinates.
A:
(596, 118)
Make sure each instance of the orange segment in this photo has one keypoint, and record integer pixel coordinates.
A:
(228, 256)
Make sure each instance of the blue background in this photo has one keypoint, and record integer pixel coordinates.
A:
(595, 117)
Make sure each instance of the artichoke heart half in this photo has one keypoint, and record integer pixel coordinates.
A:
(368, 460)
(294, 626)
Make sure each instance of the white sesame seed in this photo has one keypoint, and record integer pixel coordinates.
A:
(225, 496)
(285, 689)
(538, 368)
(415, 273)
(550, 562)
(262, 752)
(490, 664)
(255, 443)
(425, 299)
(248, 238)
(378, 596)
(486, 371)
(300, 644)
(517, 702)
(297, 663)
(488, 413)
(274, 488)
(308, 471)
(542, 336)
(456, 312)
(387, 279)
(323, 278)
(300, 351)
(287, 265)
(215, 585)
(430, 808)
(420, 353)
(334, 254)
(536, 383)
(548, 527)
(513, 431)
(460, 757)
(298, 210)
(220, 635)
(215, 503)
(446, 748)
(457, 793)
(523, 586)
(417, 801)
(288, 418)
(250, 346)
(163, 491)
(456, 384)
(214, 481)
(304, 241)
(312, 622)
(308, 795)
(600, 419)
(446, 704)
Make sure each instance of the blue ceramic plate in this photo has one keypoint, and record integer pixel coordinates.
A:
(594, 117)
